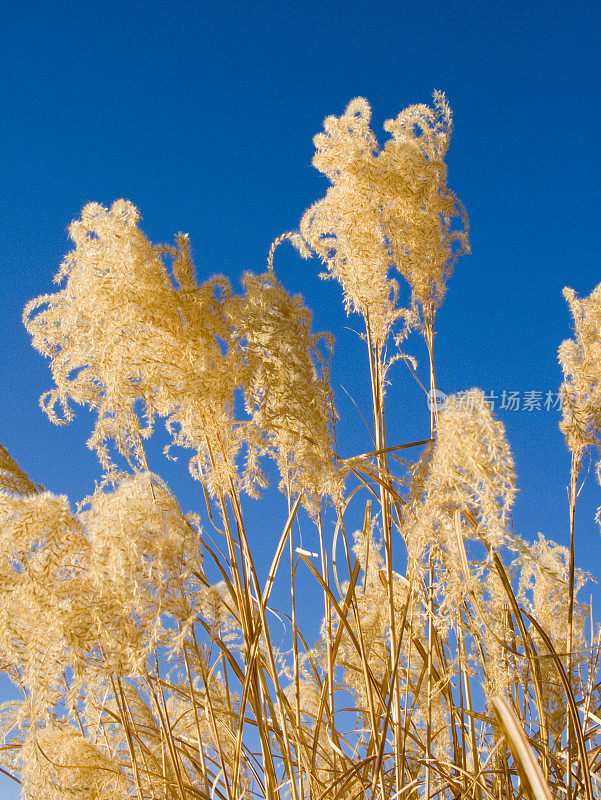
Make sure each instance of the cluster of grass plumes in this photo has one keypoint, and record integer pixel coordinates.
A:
(453, 658)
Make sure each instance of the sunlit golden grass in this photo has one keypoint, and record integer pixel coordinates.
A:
(453, 658)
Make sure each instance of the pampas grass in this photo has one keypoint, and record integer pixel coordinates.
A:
(453, 658)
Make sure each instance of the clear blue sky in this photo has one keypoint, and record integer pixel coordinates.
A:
(203, 114)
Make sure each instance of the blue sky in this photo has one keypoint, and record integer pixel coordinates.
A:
(203, 114)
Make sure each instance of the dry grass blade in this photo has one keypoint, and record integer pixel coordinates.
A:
(280, 549)
(571, 703)
(12, 478)
(529, 649)
(385, 450)
(533, 783)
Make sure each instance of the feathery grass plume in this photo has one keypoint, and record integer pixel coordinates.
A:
(289, 402)
(468, 469)
(386, 208)
(214, 603)
(143, 555)
(370, 623)
(544, 586)
(469, 466)
(580, 359)
(343, 228)
(425, 245)
(92, 599)
(121, 333)
(42, 547)
(62, 764)
(99, 585)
